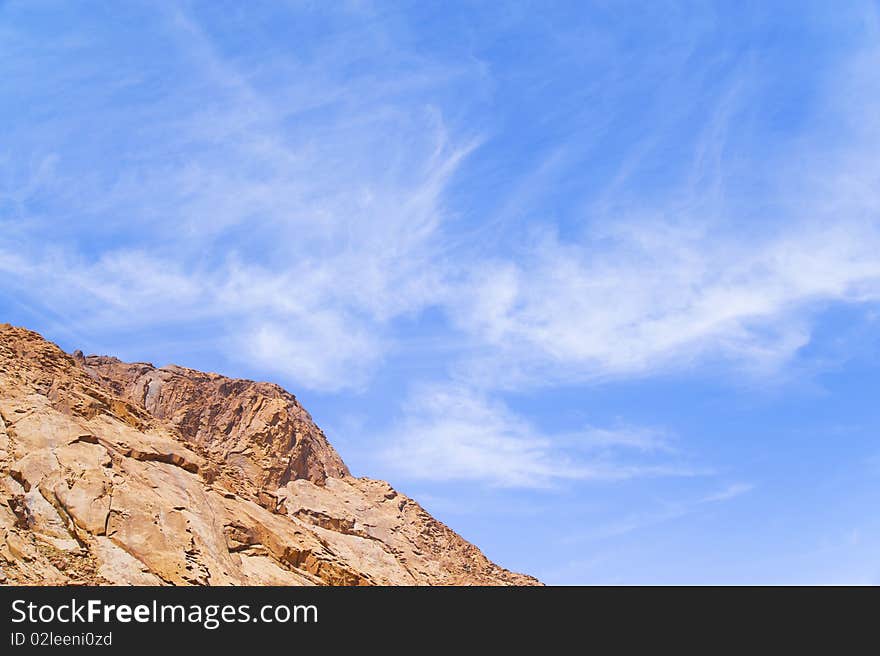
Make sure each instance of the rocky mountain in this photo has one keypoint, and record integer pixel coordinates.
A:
(116, 473)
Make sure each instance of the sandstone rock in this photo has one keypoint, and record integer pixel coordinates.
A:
(115, 473)
(257, 429)
(18, 547)
(119, 567)
(87, 500)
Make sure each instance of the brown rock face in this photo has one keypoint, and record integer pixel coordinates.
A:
(259, 431)
(115, 473)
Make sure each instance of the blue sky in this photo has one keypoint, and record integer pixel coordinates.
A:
(596, 282)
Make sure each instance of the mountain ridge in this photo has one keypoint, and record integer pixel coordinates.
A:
(126, 473)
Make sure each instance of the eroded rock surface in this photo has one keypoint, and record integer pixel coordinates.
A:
(116, 473)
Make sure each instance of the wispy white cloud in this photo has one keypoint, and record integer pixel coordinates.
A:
(450, 433)
(296, 220)
(655, 296)
(669, 512)
(697, 276)
(303, 218)
(730, 492)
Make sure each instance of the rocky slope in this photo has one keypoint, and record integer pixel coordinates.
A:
(115, 473)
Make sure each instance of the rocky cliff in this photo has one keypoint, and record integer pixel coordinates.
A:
(115, 473)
